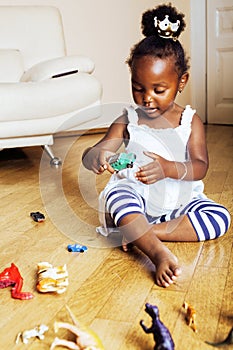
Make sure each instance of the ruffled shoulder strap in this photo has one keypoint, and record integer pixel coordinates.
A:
(187, 115)
(132, 114)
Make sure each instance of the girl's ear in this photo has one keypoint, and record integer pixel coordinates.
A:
(183, 81)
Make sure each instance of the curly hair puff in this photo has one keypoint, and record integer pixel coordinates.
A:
(157, 46)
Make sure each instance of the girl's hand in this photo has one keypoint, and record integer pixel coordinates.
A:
(95, 159)
(152, 172)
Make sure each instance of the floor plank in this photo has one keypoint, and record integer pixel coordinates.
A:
(107, 288)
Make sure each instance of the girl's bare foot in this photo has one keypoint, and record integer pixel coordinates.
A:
(166, 264)
(135, 228)
(167, 268)
(126, 245)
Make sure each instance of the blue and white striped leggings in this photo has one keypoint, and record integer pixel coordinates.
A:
(209, 219)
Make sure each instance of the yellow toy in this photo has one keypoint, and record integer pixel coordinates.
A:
(190, 316)
(86, 339)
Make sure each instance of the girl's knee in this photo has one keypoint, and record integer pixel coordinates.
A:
(210, 224)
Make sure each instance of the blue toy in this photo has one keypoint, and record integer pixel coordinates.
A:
(162, 337)
(76, 248)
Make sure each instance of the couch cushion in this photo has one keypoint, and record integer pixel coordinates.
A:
(11, 65)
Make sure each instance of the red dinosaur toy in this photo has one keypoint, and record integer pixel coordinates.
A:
(11, 277)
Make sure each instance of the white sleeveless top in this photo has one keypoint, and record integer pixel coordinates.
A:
(171, 143)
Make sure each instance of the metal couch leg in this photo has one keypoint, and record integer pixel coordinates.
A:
(55, 161)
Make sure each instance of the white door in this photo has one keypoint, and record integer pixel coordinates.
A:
(220, 61)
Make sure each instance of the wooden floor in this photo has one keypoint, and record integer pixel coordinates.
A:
(107, 288)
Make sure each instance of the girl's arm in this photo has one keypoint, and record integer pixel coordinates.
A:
(193, 169)
(197, 165)
(94, 158)
(198, 154)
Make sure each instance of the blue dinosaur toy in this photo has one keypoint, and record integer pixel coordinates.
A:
(162, 336)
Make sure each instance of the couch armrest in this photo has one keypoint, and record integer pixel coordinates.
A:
(57, 67)
(48, 98)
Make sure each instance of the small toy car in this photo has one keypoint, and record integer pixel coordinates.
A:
(37, 216)
(76, 248)
(121, 161)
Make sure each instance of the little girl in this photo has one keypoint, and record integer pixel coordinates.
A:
(161, 198)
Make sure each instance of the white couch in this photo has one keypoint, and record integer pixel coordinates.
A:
(42, 90)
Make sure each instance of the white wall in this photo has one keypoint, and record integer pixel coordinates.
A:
(105, 30)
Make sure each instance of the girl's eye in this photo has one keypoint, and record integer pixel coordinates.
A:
(141, 90)
(137, 89)
(159, 91)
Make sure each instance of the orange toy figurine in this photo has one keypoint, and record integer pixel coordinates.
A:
(190, 316)
(51, 279)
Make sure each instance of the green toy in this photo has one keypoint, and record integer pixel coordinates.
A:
(121, 161)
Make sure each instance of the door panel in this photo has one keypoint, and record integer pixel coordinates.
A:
(220, 61)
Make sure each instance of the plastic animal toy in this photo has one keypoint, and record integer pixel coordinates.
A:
(52, 279)
(190, 316)
(121, 161)
(11, 277)
(37, 332)
(76, 248)
(227, 341)
(86, 339)
(37, 216)
(162, 336)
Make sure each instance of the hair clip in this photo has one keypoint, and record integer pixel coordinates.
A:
(166, 29)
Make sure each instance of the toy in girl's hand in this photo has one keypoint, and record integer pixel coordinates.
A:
(37, 332)
(85, 337)
(51, 279)
(37, 216)
(76, 248)
(121, 161)
(162, 337)
(190, 316)
(11, 277)
(227, 341)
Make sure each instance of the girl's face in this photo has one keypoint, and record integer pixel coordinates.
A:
(155, 83)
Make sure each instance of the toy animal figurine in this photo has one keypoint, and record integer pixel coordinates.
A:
(227, 341)
(86, 339)
(11, 277)
(162, 337)
(37, 332)
(51, 279)
(190, 316)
